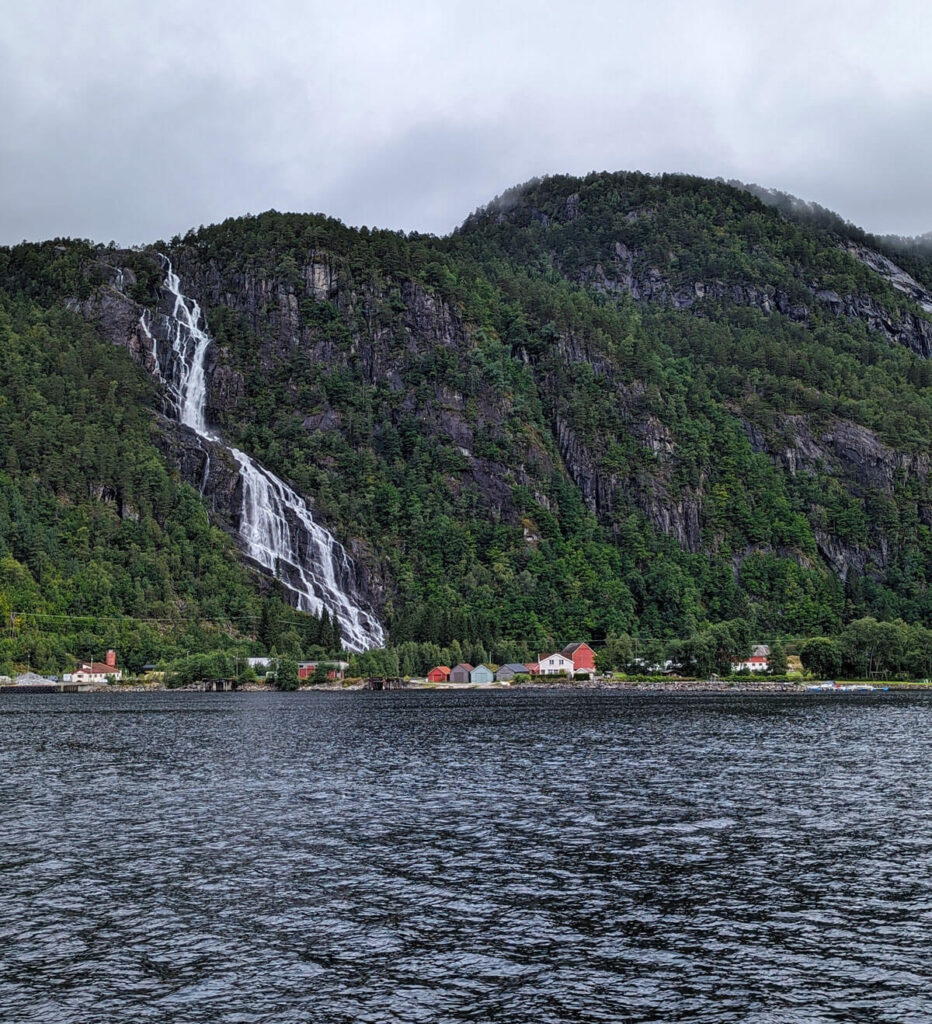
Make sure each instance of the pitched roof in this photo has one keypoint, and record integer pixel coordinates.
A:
(97, 668)
(440, 668)
(571, 649)
(465, 665)
(514, 666)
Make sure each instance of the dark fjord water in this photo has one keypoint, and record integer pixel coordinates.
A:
(508, 857)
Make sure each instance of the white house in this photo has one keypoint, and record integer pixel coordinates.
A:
(644, 665)
(98, 671)
(759, 661)
(554, 664)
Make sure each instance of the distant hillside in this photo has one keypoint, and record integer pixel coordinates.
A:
(619, 403)
(914, 253)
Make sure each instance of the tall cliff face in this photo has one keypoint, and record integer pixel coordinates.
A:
(817, 304)
(273, 525)
(622, 401)
(206, 466)
(399, 338)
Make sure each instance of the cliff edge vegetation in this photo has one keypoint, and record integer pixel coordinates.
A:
(619, 404)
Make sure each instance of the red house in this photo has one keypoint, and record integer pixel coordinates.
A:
(440, 674)
(533, 668)
(582, 657)
(336, 669)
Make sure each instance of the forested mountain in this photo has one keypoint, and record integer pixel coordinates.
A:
(623, 403)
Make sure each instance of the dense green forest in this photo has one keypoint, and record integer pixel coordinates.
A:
(100, 544)
(527, 431)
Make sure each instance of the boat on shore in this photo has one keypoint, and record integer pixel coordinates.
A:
(832, 687)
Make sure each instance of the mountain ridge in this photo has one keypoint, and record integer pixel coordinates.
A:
(619, 403)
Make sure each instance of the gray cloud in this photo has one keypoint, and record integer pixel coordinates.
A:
(134, 121)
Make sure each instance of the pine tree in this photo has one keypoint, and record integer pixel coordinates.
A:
(777, 658)
(336, 636)
(269, 623)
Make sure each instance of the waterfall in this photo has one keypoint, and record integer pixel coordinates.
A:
(276, 529)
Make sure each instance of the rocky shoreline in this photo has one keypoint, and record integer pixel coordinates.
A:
(628, 686)
(624, 686)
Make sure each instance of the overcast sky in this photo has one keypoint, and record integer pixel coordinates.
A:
(134, 121)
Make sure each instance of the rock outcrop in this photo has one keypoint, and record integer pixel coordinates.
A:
(206, 465)
(901, 327)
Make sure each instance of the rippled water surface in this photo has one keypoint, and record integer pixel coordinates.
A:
(510, 857)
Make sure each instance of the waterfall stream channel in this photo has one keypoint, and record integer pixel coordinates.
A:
(276, 528)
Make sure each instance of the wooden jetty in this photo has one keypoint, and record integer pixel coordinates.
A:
(381, 683)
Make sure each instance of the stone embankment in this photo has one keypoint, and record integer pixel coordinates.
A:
(673, 685)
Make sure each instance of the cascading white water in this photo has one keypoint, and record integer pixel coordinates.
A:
(277, 529)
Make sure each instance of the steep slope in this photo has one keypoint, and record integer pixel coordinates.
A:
(368, 393)
(615, 403)
(734, 330)
(100, 543)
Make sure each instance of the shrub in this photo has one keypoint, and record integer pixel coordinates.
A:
(286, 674)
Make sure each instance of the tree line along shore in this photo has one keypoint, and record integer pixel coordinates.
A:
(866, 649)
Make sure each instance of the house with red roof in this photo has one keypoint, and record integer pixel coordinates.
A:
(759, 660)
(439, 674)
(98, 671)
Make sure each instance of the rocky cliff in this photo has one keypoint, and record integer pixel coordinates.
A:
(577, 369)
(627, 275)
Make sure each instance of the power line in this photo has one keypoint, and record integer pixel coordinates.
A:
(23, 618)
(134, 618)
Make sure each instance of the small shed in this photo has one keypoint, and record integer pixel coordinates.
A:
(481, 674)
(460, 673)
(439, 674)
(507, 672)
(335, 669)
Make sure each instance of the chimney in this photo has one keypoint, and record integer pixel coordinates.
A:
(111, 659)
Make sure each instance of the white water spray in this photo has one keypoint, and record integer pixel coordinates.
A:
(276, 529)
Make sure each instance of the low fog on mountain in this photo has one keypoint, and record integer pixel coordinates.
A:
(138, 121)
